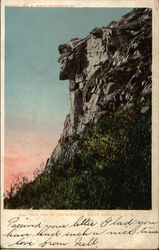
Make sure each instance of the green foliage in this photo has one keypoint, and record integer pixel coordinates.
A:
(111, 171)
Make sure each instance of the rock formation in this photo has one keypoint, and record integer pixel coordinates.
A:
(107, 70)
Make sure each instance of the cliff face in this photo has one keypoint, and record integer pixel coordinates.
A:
(107, 70)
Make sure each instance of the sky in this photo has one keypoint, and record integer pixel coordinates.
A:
(36, 101)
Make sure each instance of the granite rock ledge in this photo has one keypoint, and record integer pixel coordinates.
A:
(107, 70)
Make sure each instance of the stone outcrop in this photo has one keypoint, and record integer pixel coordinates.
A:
(107, 70)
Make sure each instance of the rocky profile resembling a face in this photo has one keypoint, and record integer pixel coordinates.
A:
(65, 50)
(73, 59)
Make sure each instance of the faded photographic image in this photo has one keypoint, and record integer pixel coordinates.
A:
(78, 86)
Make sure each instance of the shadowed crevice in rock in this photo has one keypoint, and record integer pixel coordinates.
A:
(72, 63)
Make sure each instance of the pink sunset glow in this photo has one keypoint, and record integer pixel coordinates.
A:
(23, 153)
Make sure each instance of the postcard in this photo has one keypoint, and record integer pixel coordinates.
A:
(79, 124)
